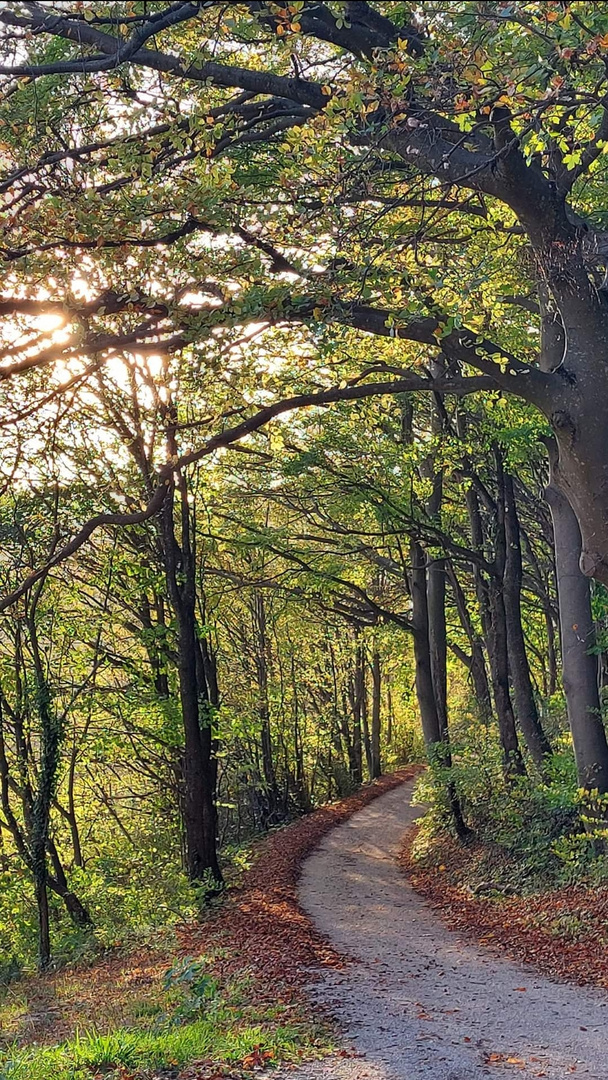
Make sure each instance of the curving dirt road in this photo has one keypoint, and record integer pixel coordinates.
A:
(418, 1003)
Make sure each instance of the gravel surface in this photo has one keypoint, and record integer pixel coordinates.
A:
(417, 1002)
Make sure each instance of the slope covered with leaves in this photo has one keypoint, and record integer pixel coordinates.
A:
(229, 993)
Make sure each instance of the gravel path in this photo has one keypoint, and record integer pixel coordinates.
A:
(418, 1003)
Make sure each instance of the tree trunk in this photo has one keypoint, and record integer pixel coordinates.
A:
(480, 682)
(525, 704)
(579, 663)
(72, 819)
(438, 642)
(300, 786)
(551, 651)
(436, 735)
(42, 906)
(50, 740)
(492, 613)
(356, 700)
(376, 769)
(390, 714)
(367, 741)
(499, 666)
(261, 661)
(59, 885)
(427, 704)
(581, 472)
(199, 773)
(198, 776)
(475, 663)
(209, 700)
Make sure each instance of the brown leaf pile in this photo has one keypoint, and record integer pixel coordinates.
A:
(562, 933)
(261, 928)
(258, 929)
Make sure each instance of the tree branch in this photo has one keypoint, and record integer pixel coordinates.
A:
(221, 440)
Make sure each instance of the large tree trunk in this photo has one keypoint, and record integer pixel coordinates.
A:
(579, 663)
(199, 792)
(581, 470)
(525, 704)
(199, 772)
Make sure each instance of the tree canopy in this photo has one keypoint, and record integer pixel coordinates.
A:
(304, 330)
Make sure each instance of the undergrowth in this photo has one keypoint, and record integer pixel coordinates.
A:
(530, 834)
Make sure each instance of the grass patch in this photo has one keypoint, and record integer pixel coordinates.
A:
(244, 1040)
(184, 1015)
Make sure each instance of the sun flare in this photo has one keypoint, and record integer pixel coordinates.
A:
(49, 322)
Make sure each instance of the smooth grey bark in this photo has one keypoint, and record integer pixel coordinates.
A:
(436, 568)
(579, 663)
(365, 728)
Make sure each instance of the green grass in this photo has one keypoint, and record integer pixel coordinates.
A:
(223, 1037)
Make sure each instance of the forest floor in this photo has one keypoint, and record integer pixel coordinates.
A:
(417, 1000)
(257, 947)
(563, 932)
(327, 961)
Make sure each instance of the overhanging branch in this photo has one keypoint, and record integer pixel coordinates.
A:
(225, 439)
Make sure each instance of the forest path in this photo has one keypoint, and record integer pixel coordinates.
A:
(417, 1002)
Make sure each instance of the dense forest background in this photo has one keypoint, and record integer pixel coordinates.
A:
(302, 377)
